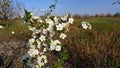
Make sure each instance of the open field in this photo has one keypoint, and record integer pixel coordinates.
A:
(95, 48)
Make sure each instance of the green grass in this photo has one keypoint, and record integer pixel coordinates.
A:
(102, 24)
(19, 28)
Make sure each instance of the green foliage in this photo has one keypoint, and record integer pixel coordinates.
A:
(27, 16)
(51, 8)
(62, 57)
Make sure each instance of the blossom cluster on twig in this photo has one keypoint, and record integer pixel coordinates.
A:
(43, 33)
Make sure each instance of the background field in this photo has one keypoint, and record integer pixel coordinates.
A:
(95, 48)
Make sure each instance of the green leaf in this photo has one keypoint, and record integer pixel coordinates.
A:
(69, 15)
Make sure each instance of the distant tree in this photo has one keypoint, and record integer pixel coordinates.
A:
(96, 15)
(4, 8)
(108, 15)
(17, 7)
(77, 16)
(116, 14)
(86, 15)
(102, 15)
(9, 9)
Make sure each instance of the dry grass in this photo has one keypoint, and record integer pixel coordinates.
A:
(93, 48)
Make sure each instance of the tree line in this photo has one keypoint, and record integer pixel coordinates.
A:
(117, 14)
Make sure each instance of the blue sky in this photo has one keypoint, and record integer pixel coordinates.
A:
(74, 6)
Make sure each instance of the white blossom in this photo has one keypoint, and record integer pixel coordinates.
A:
(34, 35)
(64, 24)
(40, 20)
(37, 31)
(31, 13)
(13, 32)
(44, 44)
(57, 42)
(59, 27)
(51, 32)
(38, 43)
(71, 20)
(44, 31)
(50, 22)
(37, 66)
(41, 60)
(58, 48)
(42, 38)
(55, 45)
(50, 29)
(33, 46)
(56, 20)
(45, 50)
(52, 47)
(62, 35)
(1, 26)
(64, 18)
(33, 52)
(31, 28)
(31, 41)
(35, 17)
(86, 25)
(89, 26)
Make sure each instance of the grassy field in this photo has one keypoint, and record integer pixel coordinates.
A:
(20, 29)
(95, 48)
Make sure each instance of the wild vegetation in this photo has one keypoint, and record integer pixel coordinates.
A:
(98, 47)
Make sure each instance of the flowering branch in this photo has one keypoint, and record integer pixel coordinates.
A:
(42, 39)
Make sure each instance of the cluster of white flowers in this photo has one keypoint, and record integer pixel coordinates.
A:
(55, 45)
(86, 25)
(62, 35)
(42, 39)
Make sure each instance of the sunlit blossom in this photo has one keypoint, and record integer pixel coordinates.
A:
(38, 43)
(41, 60)
(59, 27)
(71, 20)
(31, 41)
(55, 45)
(56, 20)
(50, 22)
(31, 28)
(58, 48)
(86, 25)
(37, 31)
(42, 38)
(62, 35)
(45, 50)
(35, 17)
(44, 31)
(33, 52)
(64, 18)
